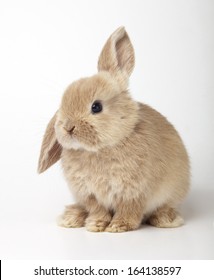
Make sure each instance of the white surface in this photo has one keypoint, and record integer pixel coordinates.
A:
(38, 237)
(44, 46)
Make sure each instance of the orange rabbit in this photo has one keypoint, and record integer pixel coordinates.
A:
(123, 161)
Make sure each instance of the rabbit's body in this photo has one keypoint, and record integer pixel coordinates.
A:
(123, 161)
(135, 169)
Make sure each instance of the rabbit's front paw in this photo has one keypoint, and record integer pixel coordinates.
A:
(121, 226)
(96, 224)
(73, 217)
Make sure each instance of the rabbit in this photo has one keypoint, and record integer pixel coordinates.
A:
(125, 164)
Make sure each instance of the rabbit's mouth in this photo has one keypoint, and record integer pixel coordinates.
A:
(67, 140)
(75, 144)
(75, 140)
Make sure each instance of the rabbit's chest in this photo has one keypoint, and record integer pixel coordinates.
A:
(106, 177)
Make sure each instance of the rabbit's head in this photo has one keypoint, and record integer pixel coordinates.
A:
(95, 112)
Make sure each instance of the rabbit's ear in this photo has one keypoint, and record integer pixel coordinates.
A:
(51, 149)
(117, 54)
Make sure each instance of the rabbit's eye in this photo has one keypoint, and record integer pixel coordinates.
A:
(96, 107)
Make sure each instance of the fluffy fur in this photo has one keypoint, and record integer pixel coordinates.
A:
(125, 164)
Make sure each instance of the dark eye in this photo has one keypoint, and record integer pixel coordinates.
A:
(96, 107)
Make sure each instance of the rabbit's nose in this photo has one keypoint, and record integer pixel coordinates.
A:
(69, 130)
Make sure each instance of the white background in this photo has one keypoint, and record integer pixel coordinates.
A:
(44, 46)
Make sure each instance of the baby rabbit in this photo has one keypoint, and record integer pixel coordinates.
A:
(123, 161)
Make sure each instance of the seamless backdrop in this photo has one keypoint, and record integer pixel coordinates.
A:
(44, 46)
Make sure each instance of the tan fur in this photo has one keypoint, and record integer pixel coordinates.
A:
(51, 149)
(165, 217)
(73, 216)
(125, 164)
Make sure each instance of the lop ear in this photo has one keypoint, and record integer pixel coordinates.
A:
(51, 149)
(117, 54)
